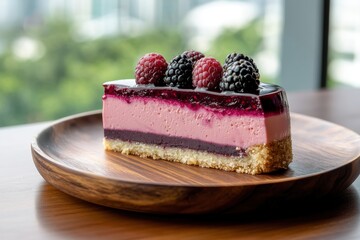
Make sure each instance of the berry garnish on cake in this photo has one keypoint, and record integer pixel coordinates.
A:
(240, 76)
(207, 73)
(151, 69)
(193, 56)
(236, 57)
(179, 72)
(235, 123)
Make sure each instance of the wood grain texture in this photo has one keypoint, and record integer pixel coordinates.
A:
(70, 156)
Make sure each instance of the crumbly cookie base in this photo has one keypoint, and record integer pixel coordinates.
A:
(263, 158)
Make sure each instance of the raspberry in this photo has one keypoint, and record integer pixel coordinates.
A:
(150, 69)
(193, 56)
(179, 72)
(207, 73)
(235, 57)
(240, 76)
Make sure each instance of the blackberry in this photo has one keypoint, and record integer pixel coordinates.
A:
(240, 76)
(235, 57)
(179, 72)
(193, 56)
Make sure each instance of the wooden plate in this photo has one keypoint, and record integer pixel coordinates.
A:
(70, 156)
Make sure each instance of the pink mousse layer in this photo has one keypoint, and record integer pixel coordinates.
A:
(163, 117)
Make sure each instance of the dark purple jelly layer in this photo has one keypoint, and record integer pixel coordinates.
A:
(168, 141)
(270, 100)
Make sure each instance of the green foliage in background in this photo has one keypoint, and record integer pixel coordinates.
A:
(247, 41)
(68, 78)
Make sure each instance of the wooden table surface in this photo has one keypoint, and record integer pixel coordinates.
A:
(32, 209)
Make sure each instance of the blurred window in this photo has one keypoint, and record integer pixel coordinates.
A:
(344, 44)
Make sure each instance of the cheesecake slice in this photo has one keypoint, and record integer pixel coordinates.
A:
(231, 131)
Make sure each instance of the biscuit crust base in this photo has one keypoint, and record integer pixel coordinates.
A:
(262, 158)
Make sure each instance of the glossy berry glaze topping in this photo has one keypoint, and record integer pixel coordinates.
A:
(271, 99)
